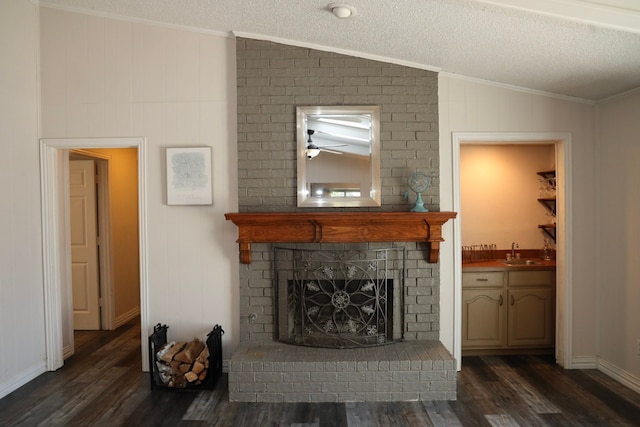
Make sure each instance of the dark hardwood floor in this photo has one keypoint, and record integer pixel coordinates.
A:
(99, 386)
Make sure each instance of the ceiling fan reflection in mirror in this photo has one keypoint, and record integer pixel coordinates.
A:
(313, 150)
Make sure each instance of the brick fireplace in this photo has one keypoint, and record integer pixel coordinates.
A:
(263, 369)
(272, 80)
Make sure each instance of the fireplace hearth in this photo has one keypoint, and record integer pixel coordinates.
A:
(403, 371)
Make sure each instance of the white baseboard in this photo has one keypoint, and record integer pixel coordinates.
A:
(21, 379)
(129, 315)
(584, 362)
(619, 374)
(68, 351)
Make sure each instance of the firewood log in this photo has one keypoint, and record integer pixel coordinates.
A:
(184, 368)
(190, 352)
(169, 355)
(166, 347)
(190, 377)
(175, 367)
(204, 355)
(197, 367)
(202, 375)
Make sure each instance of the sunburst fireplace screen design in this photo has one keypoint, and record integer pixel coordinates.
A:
(339, 299)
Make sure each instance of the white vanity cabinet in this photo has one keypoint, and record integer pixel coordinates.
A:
(508, 309)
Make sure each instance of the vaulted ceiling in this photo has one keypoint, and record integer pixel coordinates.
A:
(587, 49)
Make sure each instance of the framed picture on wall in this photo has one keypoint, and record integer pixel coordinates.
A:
(189, 177)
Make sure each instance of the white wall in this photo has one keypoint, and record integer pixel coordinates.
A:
(175, 87)
(22, 349)
(619, 231)
(499, 191)
(472, 106)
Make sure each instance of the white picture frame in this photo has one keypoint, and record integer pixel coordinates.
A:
(189, 176)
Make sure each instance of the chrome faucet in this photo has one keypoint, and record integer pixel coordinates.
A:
(514, 246)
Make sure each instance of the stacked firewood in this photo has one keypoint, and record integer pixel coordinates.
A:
(182, 364)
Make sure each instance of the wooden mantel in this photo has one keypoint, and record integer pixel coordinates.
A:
(339, 227)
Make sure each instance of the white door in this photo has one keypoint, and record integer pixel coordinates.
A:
(84, 245)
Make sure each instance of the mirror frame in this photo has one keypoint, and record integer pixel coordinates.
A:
(371, 200)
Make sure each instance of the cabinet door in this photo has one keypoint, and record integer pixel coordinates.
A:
(531, 317)
(483, 318)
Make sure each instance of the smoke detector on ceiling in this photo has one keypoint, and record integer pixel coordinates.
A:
(342, 10)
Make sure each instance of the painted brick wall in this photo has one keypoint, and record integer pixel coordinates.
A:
(272, 80)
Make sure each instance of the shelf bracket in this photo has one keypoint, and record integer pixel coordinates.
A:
(549, 230)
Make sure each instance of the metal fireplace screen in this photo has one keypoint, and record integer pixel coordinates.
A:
(339, 299)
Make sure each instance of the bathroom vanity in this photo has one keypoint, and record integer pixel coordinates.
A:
(508, 308)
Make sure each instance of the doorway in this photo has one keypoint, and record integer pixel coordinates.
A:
(116, 245)
(562, 143)
(54, 179)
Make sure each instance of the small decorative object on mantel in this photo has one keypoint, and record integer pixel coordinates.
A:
(418, 182)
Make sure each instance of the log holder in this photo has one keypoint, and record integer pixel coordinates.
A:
(214, 343)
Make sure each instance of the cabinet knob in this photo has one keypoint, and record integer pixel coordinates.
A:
(482, 279)
(500, 300)
(513, 300)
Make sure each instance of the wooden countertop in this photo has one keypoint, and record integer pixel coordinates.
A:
(499, 265)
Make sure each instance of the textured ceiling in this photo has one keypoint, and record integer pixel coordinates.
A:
(476, 39)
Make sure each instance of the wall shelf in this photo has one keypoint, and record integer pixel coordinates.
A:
(339, 227)
(547, 174)
(549, 230)
(549, 202)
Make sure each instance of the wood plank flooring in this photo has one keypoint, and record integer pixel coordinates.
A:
(97, 389)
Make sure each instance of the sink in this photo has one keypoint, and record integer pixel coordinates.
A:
(522, 262)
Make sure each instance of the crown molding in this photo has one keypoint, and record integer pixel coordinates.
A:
(619, 96)
(44, 3)
(519, 88)
(615, 14)
(241, 34)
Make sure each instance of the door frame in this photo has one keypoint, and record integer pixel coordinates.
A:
(564, 286)
(56, 257)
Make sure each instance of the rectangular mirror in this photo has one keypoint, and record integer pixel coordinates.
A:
(338, 156)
